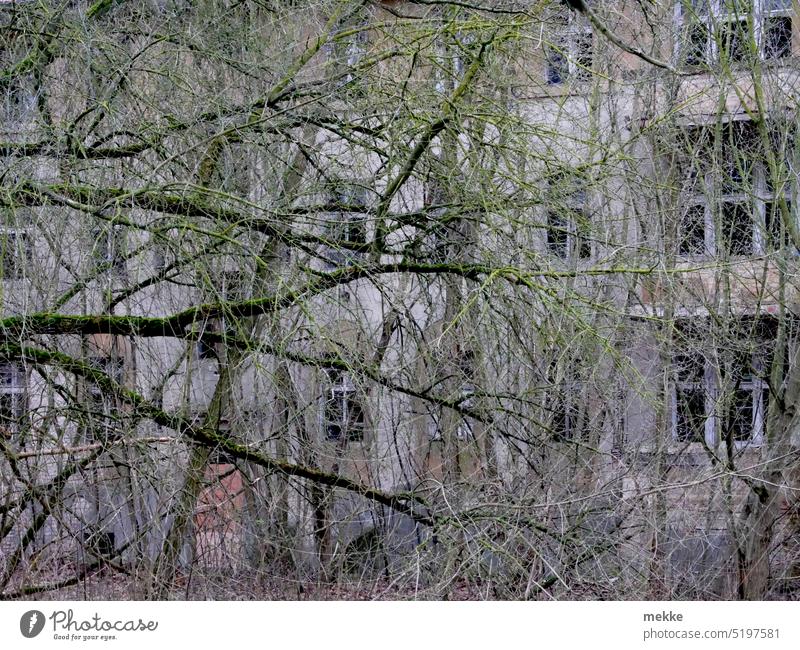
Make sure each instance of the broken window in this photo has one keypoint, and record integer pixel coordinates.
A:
(692, 234)
(777, 235)
(569, 54)
(733, 205)
(564, 404)
(720, 389)
(346, 227)
(568, 227)
(778, 37)
(206, 350)
(690, 396)
(343, 414)
(731, 31)
(736, 228)
(565, 413)
(100, 542)
(743, 393)
(732, 37)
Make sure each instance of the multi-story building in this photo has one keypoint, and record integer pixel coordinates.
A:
(496, 296)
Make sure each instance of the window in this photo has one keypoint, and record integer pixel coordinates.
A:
(450, 59)
(343, 415)
(462, 372)
(347, 226)
(569, 54)
(13, 398)
(692, 235)
(567, 230)
(564, 404)
(19, 103)
(564, 413)
(348, 48)
(14, 253)
(719, 386)
(731, 204)
(99, 542)
(690, 396)
(731, 31)
(568, 234)
(206, 350)
(205, 347)
(101, 403)
(109, 251)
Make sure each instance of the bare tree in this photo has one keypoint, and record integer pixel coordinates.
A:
(437, 299)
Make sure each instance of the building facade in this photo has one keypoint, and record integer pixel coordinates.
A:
(496, 298)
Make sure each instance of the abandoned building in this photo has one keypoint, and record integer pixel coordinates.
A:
(504, 294)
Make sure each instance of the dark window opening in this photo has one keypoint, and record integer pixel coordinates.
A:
(347, 232)
(690, 397)
(14, 254)
(570, 55)
(737, 229)
(346, 228)
(696, 43)
(206, 350)
(100, 543)
(692, 236)
(734, 39)
(720, 381)
(740, 420)
(564, 423)
(557, 67)
(691, 414)
(583, 55)
(557, 234)
(777, 235)
(689, 368)
(583, 244)
(567, 234)
(738, 152)
(343, 413)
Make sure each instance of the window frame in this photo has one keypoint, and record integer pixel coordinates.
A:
(347, 52)
(714, 384)
(569, 194)
(569, 44)
(717, 13)
(704, 181)
(101, 403)
(17, 389)
(342, 225)
(340, 391)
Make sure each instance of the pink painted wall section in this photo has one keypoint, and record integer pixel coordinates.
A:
(217, 518)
